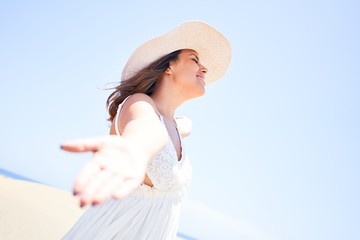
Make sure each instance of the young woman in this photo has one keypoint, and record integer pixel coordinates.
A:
(139, 174)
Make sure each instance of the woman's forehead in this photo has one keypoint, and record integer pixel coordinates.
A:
(189, 51)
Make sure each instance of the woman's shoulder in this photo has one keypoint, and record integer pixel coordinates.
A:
(140, 97)
(139, 102)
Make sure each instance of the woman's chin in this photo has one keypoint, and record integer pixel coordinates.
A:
(200, 92)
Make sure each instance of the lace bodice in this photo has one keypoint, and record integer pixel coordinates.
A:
(169, 175)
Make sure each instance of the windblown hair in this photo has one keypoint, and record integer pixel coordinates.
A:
(144, 81)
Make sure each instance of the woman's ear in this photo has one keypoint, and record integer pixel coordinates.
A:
(168, 70)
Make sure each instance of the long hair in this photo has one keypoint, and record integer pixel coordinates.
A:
(144, 81)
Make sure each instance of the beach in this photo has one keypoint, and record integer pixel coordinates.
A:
(35, 211)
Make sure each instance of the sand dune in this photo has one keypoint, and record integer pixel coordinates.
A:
(33, 211)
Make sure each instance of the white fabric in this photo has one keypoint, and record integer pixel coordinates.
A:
(118, 115)
(150, 213)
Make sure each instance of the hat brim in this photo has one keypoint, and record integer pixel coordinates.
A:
(213, 48)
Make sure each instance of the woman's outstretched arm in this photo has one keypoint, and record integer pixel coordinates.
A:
(119, 162)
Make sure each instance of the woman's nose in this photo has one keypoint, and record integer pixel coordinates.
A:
(203, 69)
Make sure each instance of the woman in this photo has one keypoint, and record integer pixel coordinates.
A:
(139, 174)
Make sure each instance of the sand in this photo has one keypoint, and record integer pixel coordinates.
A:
(34, 211)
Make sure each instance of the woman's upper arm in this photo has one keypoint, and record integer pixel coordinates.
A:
(140, 124)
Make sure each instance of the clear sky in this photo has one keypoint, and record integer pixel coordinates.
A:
(275, 146)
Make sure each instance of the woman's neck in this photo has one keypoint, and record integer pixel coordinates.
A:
(166, 102)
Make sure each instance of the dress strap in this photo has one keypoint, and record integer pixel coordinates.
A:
(118, 112)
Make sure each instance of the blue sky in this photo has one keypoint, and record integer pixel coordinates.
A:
(275, 143)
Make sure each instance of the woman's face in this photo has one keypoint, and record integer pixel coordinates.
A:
(188, 73)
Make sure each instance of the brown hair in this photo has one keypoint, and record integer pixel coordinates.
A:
(143, 82)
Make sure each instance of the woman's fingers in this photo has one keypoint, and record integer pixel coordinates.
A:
(84, 145)
(106, 191)
(90, 170)
(94, 186)
(105, 186)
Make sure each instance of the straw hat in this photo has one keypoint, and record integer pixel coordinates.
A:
(213, 48)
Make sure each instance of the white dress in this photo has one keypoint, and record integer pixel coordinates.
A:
(150, 213)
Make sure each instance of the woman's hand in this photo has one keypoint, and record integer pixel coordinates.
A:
(184, 125)
(116, 169)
